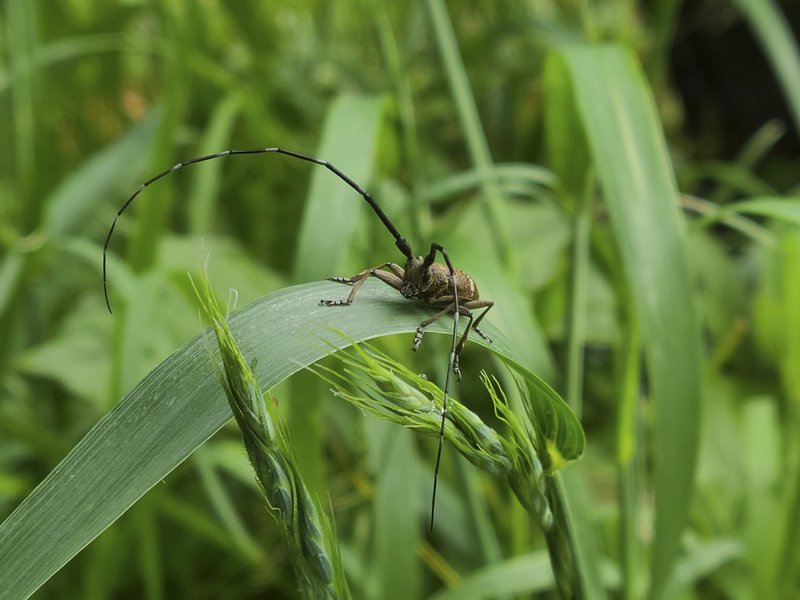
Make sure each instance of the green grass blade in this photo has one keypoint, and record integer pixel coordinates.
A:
(762, 508)
(777, 207)
(398, 67)
(349, 141)
(633, 167)
(12, 272)
(206, 181)
(778, 329)
(520, 575)
(396, 512)
(700, 561)
(22, 41)
(756, 150)
(743, 225)
(573, 546)
(567, 149)
(175, 409)
(775, 35)
(104, 179)
(578, 308)
(628, 454)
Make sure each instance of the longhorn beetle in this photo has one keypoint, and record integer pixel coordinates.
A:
(449, 290)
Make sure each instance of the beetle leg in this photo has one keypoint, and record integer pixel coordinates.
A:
(421, 327)
(394, 279)
(475, 305)
(465, 310)
(358, 280)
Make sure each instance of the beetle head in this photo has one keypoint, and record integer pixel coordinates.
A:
(414, 279)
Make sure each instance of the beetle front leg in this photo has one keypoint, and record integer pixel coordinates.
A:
(394, 279)
(475, 305)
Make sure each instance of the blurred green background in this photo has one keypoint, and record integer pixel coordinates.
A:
(511, 132)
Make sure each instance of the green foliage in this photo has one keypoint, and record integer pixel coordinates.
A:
(641, 269)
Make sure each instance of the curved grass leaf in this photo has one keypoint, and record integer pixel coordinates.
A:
(773, 207)
(519, 575)
(180, 404)
(522, 174)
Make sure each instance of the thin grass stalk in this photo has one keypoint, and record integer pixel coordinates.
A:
(754, 151)
(576, 326)
(206, 181)
(788, 568)
(420, 218)
(559, 540)
(223, 506)
(22, 45)
(330, 220)
(467, 111)
(627, 421)
(306, 528)
(559, 543)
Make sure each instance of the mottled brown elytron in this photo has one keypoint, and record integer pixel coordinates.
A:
(443, 287)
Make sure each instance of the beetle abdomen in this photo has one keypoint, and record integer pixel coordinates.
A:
(467, 290)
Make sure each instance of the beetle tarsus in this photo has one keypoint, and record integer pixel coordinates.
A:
(485, 337)
(335, 303)
(345, 280)
(417, 339)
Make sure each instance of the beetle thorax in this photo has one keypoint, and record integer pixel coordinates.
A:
(428, 283)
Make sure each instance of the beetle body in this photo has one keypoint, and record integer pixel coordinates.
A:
(432, 283)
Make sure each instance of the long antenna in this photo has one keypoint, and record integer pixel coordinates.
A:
(401, 242)
(429, 259)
